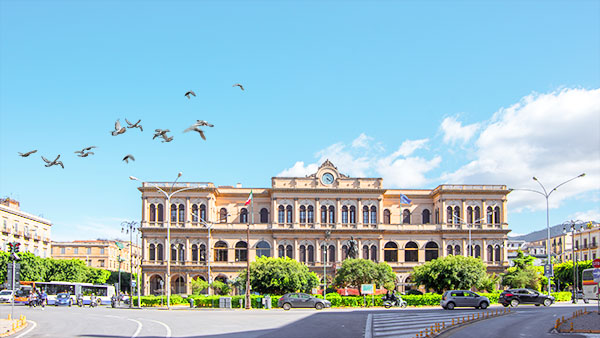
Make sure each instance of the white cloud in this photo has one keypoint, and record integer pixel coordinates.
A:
(552, 136)
(589, 215)
(410, 146)
(362, 141)
(299, 170)
(454, 130)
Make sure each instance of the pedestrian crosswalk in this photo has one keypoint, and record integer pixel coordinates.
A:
(405, 324)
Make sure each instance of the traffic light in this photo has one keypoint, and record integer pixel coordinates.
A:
(17, 246)
(14, 247)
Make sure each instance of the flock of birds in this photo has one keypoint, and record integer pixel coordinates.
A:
(158, 133)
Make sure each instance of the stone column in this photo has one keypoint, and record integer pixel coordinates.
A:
(359, 212)
(188, 252)
(484, 212)
(317, 213)
(443, 215)
(275, 212)
(144, 211)
(380, 212)
(296, 214)
(338, 212)
(188, 211)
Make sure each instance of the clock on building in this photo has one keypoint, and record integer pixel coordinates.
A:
(327, 178)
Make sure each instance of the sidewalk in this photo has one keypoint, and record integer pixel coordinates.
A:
(6, 327)
(586, 322)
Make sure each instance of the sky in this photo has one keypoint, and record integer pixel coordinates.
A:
(420, 93)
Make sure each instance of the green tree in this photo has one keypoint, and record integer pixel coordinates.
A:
(488, 282)
(97, 276)
(563, 272)
(199, 285)
(357, 271)
(523, 274)
(278, 276)
(220, 287)
(450, 272)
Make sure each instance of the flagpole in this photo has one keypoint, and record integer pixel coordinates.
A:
(248, 305)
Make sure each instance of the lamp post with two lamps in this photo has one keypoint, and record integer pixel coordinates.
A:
(324, 249)
(571, 226)
(130, 228)
(546, 195)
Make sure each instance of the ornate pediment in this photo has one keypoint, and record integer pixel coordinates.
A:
(327, 166)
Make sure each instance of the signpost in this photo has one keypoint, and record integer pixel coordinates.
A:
(368, 289)
(596, 274)
(548, 270)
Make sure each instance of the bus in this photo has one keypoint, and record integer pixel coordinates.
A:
(103, 293)
(590, 288)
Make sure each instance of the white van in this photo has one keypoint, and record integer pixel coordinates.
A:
(6, 296)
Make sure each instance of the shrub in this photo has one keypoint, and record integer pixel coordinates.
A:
(562, 296)
(414, 292)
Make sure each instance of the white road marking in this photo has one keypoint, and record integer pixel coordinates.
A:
(163, 324)
(33, 325)
(368, 329)
(139, 328)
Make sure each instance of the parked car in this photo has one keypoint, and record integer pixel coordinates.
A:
(63, 299)
(581, 296)
(290, 300)
(514, 297)
(458, 298)
(6, 296)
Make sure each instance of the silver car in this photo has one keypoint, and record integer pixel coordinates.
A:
(463, 298)
(6, 296)
(290, 300)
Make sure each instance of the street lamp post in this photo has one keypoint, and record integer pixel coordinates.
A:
(129, 228)
(572, 227)
(324, 246)
(168, 208)
(469, 225)
(208, 226)
(546, 195)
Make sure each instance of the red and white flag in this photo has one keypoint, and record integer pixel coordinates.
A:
(249, 198)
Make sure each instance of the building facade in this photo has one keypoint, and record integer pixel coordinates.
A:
(586, 242)
(102, 254)
(33, 232)
(312, 219)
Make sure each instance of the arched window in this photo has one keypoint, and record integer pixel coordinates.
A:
(178, 286)
(181, 253)
(202, 212)
(302, 214)
(221, 251)
(449, 216)
(263, 249)
(152, 250)
(390, 252)
(352, 214)
(331, 253)
(470, 215)
(264, 215)
(194, 253)
(497, 215)
(302, 254)
(366, 214)
(477, 251)
(160, 213)
(426, 216)
(431, 251)
(311, 214)
(323, 214)
(437, 216)
(411, 252)
(289, 214)
(456, 215)
(497, 253)
(345, 214)
(344, 252)
(289, 251)
(152, 213)
(387, 215)
(173, 213)
(281, 251)
(155, 285)
(173, 252)
(244, 215)
(457, 250)
(449, 250)
(331, 214)
(373, 214)
(159, 252)
(365, 251)
(281, 214)
(490, 214)
(181, 217)
(223, 215)
(241, 251)
(477, 215)
(311, 254)
(194, 212)
(374, 253)
(490, 253)
(202, 253)
(406, 216)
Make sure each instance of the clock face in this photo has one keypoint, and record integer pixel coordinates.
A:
(327, 178)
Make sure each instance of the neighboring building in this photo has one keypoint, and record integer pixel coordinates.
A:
(586, 242)
(33, 232)
(304, 217)
(103, 254)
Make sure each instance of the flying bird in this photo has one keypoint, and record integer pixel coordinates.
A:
(239, 85)
(134, 125)
(27, 153)
(196, 127)
(128, 157)
(191, 92)
(118, 129)
(160, 133)
(84, 154)
(55, 162)
(200, 131)
(166, 138)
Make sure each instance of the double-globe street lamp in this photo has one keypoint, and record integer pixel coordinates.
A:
(130, 228)
(546, 195)
(168, 196)
(572, 227)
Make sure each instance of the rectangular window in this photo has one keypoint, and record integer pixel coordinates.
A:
(102, 251)
(89, 251)
(76, 251)
(101, 263)
(62, 250)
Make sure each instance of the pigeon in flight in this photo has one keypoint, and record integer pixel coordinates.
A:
(134, 125)
(55, 162)
(160, 133)
(166, 138)
(200, 131)
(27, 153)
(191, 92)
(128, 157)
(118, 129)
(239, 85)
(196, 127)
(85, 151)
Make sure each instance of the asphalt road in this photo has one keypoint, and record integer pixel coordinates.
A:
(105, 322)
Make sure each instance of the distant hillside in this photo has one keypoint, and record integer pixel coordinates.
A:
(543, 234)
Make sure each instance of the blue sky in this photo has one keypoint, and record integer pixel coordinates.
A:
(419, 93)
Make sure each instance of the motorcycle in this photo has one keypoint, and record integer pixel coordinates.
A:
(399, 302)
(79, 300)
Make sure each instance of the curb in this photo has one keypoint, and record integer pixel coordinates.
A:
(441, 330)
(16, 324)
(561, 321)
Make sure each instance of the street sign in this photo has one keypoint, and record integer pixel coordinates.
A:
(548, 270)
(9, 275)
(596, 274)
(596, 263)
(367, 289)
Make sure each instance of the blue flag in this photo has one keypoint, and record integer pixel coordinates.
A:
(404, 199)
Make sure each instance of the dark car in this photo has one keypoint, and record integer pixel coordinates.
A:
(514, 297)
(290, 300)
(63, 299)
(456, 298)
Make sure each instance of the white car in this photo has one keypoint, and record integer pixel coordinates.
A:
(6, 296)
